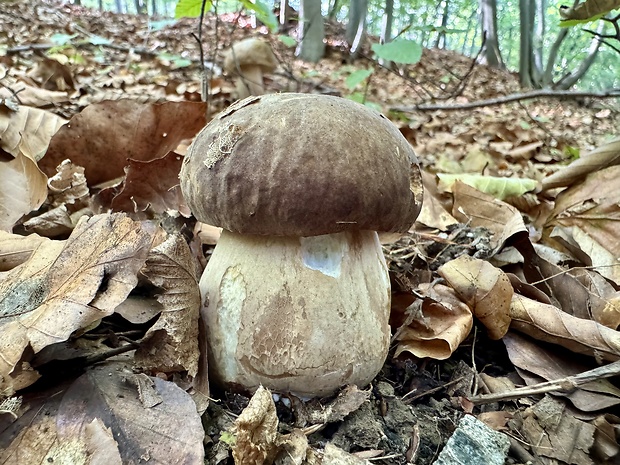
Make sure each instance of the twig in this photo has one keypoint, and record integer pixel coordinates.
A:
(610, 93)
(566, 384)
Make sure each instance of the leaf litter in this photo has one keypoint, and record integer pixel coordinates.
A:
(509, 278)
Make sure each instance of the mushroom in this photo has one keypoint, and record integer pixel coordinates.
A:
(296, 295)
(248, 60)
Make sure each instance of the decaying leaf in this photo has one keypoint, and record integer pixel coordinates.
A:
(16, 249)
(315, 412)
(550, 324)
(100, 414)
(171, 344)
(555, 433)
(435, 326)
(484, 288)
(606, 447)
(256, 431)
(66, 286)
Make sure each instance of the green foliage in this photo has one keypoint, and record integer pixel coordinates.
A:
(287, 40)
(401, 51)
(228, 438)
(190, 8)
(61, 40)
(578, 22)
(263, 13)
(360, 97)
(500, 188)
(357, 77)
(572, 152)
(176, 61)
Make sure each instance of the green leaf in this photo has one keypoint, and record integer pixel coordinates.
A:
(98, 40)
(228, 438)
(287, 40)
(577, 22)
(402, 51)
(357, 77)
(190, 8)
(359, 97)
(62, 39)
(572, 152)
(263, 13)
(500, 188)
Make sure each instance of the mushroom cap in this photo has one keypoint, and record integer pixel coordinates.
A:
(250, 52)
(302, 165)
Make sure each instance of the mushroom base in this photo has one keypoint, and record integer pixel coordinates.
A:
(301, 315)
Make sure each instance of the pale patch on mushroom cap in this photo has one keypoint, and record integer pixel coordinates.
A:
(301, 165)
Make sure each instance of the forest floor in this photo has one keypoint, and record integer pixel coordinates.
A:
(415, 402)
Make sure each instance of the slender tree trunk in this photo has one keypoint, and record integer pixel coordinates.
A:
(526, 16)
(386, 28)
(283, 17)
(441, 37)
(356, 27)
(488, 19)
(333, 10)
(312, 31)
(569, 80)
(469, 27)
(539, 7)
(154, 10)
(100, 5)
(119, 5)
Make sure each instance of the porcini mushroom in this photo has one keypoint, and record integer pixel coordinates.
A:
(296, 295)
(248, 60)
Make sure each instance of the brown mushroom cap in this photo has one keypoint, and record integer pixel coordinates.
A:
(301, 165)
(250, 52)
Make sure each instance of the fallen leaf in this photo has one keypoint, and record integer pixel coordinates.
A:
(66, 286)
(548, 323)
(484, 288)
(105, 135)
(500, 188)
(435, 326)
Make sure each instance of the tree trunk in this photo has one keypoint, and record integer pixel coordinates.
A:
(311, 30)
(526, 16)
(386, 28)
(154, 10)
(119, 6)
(100, 5)
(283, 17)
(569, 80)
(491, 55)
(441, 37)
(333, 10)
(356, 27)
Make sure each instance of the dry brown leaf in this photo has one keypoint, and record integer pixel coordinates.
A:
(435, 326)
(495, 419)
(554, 432)
(152, 187)
(316, 412)
(66, 286)
(484, 288)
(606, 445)
(531, 358)
(16, 249)
(171, 344)
(104, 135)
(68, 185)
(433, 213)
(55, 427)
(550, 324)
(596, 160)
(333, 455)
(482, 210)
(256, 431)
(101, 447)
(588, 217)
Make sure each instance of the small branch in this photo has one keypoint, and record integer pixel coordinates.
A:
(559, 385)
(611, 93)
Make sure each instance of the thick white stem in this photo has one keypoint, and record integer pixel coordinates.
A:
(300, 315)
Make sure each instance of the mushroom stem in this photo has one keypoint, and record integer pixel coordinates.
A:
(302, 315)
(250, 82)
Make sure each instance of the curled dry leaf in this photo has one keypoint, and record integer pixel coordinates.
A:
(171, 344)
(434, 326)
(482, 210)
(550, 324)
(484, 288)
(68, 185)
(256, 431)
(66, 286)
(24, 134)
(104, 135)
(433, 213)
(500, 188)
(596, 160)
(317, 412)
(586, 219)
